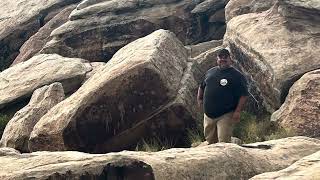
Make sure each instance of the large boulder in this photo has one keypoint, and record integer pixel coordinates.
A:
(217, 161)
(238, 7)
(301, 110)
(36, 42)
(19, 20)
(306, 168)
(17, 132)
(18, 82)
(146, 89)
(97, 29)
(276, 47)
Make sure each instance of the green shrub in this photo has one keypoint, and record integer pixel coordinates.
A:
(4, 119)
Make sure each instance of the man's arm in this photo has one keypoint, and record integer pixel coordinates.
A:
(200, 97)
(236, 114)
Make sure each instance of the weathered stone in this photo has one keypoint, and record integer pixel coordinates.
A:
(21, 80)
(197, 49)
(205, 61)
(272, 44)
(36, 42)
(238, 7)
(210, 6)
(18, 129)
(300, 112)
(306, 168)
(73, 165)
(19, 20)
(97, 29)
(140, 91)
(217, 161)
(219, 17)
(96, 66)
(8, 152)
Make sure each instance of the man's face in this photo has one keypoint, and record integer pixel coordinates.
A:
(224, 61)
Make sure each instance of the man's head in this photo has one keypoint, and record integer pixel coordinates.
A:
(224, 60)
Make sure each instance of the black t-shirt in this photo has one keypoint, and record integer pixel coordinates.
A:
(222, 90)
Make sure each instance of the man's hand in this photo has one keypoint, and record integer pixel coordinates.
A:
(236, 117)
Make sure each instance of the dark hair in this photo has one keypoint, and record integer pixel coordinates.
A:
(223, 53)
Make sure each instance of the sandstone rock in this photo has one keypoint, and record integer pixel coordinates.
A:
(217, 161)
(18, 129)
(20, 81)
(205, 61)
(19, 20)
(96, 66)
(306, 168)
(97, 29)
(238, 7)
(73, 165)
(210, 6)
(274, 46)
(36, 42)
(301, 110)
(141, 91)
(8, 152)
(218, 17)
(197, 49)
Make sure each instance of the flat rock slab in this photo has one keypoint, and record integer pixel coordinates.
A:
(19, 20)
(306, 168)
(19, 82)
(36, 42)
(218, 161)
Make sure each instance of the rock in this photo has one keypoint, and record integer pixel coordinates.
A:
(8, 152)
(36, 42)
(236, 140)
(96, 66)
(18, 129)
(146, 89)
(19, 82)
(19, 20)
(73, 165)
(197, 49)
(300, 112)
(97, 29)
(217, 161)
(218, 17)
(205, 61)
(238, 7)
(272, 44)
(306, 168)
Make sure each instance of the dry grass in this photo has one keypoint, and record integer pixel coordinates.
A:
(250, 129)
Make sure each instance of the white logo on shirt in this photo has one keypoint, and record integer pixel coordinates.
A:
(223, 82)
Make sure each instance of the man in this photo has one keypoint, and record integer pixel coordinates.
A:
(223, 94)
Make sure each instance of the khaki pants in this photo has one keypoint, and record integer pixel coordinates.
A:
(218, 129)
